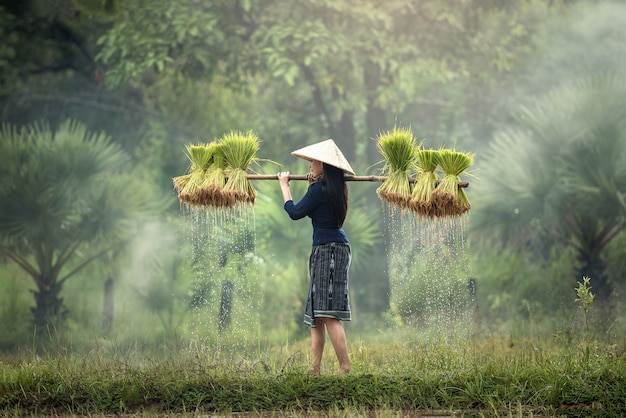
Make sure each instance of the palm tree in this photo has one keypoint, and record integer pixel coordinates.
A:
(562, 174)
(65, 201)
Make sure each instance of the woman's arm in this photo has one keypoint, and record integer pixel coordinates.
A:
(307, 205)
(283, 179)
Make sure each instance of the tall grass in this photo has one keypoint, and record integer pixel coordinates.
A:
(482, 378)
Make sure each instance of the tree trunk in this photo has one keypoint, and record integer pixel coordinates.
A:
(49, 309)
(107, 311)
(376, 117)
(347, 135)
(226, 305)
(472, 288)
(595, 269)
(376, 122)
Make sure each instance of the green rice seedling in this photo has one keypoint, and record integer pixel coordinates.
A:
(196, 160)
(180, 182)
(399, 148)
(239, 152)
(214, 178)
(188, 186)
(421, 202)
(448, 198)
(201, 156)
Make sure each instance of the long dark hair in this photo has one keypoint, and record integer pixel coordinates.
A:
(336, 191)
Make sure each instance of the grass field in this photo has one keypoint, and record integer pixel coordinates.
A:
(492, 377)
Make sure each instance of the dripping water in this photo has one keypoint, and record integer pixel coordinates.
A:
(224, 295)
(429, 275)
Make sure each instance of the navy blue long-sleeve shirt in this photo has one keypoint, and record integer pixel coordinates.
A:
(315, 206)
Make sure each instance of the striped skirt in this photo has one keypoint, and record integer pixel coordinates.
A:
(328, 286)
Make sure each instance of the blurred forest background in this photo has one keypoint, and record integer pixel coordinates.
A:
(98, 99)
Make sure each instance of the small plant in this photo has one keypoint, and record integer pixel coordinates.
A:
(585, 297)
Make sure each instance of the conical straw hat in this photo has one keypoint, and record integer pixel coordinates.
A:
(327, 152)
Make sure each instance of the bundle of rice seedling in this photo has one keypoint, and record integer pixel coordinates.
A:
(212, 184)
(421, 202)
(239, 152)
(188, 185)
(448, 198)
(398, 147)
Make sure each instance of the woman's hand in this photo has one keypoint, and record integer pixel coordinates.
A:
(313, 179)
(283, 178)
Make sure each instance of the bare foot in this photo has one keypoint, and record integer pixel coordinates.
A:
(313, 371)
(343, 370)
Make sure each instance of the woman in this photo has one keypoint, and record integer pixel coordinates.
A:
(326, 203)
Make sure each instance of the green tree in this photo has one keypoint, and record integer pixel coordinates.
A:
(318, 68)
(66, 199)
(559, 175)
(39, 37)
(48, 69)
(361, 64)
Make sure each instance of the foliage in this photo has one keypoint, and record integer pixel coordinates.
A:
(38, 37)
(561, 171)
(356, 62)
(181, 37)
(65, 203)
(296, 71)
(48, 69)
(516, 289)
(564, 52)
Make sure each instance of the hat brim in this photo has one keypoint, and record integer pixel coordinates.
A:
(327, 152)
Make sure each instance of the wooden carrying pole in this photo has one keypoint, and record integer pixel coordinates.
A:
(380, 179)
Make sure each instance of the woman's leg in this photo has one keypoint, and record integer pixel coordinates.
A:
(318, 338)
(338, 338)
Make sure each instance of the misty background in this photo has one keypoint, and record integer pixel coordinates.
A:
(99, 98)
